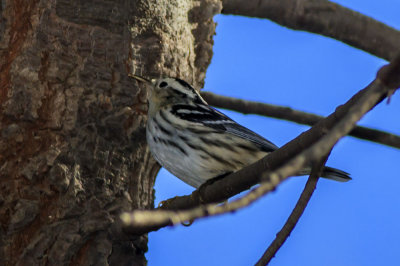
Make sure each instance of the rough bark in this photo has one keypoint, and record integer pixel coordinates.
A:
(73, 153)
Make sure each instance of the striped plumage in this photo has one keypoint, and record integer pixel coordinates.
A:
(195, 142)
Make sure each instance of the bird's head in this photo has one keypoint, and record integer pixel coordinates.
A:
(166, 91)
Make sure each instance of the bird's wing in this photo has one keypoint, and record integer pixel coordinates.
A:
(212, 118)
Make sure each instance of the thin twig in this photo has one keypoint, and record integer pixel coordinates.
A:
(325, 18)
(287, 113)
(295, 215)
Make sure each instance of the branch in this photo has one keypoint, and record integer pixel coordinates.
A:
(325, 18)
(295, 215)
(286, 113)
(274, 168)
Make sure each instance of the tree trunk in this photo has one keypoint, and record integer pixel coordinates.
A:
(73, 153)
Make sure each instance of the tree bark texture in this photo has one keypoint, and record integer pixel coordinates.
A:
(73, 153)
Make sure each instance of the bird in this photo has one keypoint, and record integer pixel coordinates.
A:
(196, 142)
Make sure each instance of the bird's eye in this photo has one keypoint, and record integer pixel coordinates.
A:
(163, 84)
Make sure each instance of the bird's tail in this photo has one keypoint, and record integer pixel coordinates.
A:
(330, 173)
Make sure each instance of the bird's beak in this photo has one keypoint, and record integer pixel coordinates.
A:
(139, 78)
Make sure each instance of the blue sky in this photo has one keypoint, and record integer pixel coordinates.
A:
(354, 223)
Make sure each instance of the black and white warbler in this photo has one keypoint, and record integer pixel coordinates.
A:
(195, 142)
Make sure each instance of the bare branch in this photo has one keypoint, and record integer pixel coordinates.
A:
(295, 215)
(325, 18)
(249, 176)
(274, 168)
(287, 113)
